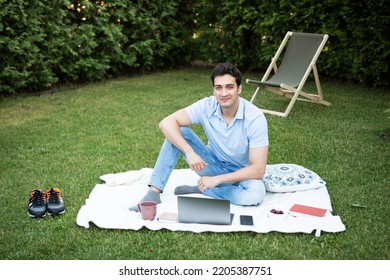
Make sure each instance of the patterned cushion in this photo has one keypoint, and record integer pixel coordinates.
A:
(290, 178)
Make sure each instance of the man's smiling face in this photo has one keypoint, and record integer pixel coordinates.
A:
(226, 91)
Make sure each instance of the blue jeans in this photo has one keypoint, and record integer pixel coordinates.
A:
(248, 192)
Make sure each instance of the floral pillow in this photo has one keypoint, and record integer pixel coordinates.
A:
(290, 178)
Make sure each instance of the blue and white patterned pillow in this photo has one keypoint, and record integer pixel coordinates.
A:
(290, 178)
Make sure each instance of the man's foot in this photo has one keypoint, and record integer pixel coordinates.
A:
(150, 196)
(187, 190)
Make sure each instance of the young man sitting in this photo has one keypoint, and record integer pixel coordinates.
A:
(231, 166)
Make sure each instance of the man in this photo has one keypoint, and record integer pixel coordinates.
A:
(233, 163)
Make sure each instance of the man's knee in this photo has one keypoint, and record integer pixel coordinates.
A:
(254, 193)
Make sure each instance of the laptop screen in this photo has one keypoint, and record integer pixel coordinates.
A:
(203, 210)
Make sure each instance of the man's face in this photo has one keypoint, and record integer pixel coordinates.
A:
(226, 91)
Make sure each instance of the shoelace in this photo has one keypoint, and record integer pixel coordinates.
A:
(38, 197)
(54, 195)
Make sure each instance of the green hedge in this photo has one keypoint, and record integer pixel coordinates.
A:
(43, 43)
(48, 43)
(248, 32)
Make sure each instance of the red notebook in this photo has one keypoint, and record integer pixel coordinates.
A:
(307, 210)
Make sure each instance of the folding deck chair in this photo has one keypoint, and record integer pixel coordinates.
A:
(303, 50)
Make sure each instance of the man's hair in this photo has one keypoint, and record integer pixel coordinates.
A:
(226, 68)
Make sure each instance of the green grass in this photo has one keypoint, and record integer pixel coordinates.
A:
(71, 137)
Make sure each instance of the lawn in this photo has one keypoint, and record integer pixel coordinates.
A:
(70, 137)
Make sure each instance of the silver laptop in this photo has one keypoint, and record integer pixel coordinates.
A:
(204, 210)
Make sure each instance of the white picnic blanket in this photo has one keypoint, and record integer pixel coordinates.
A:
(108, 203)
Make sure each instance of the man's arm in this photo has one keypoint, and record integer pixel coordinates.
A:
(258, 160)
(170, 127)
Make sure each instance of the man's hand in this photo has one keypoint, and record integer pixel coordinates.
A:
(195, 162)
(207, 182)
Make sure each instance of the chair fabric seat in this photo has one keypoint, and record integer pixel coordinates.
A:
(299, 53)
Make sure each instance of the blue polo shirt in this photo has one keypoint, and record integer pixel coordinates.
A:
(231, 143)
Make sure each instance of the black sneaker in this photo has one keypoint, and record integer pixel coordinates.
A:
(37, 204)
(55, 203)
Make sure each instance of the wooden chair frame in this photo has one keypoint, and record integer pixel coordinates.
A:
(289, 91)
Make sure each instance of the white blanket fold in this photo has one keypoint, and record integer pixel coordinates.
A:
(108, 203)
